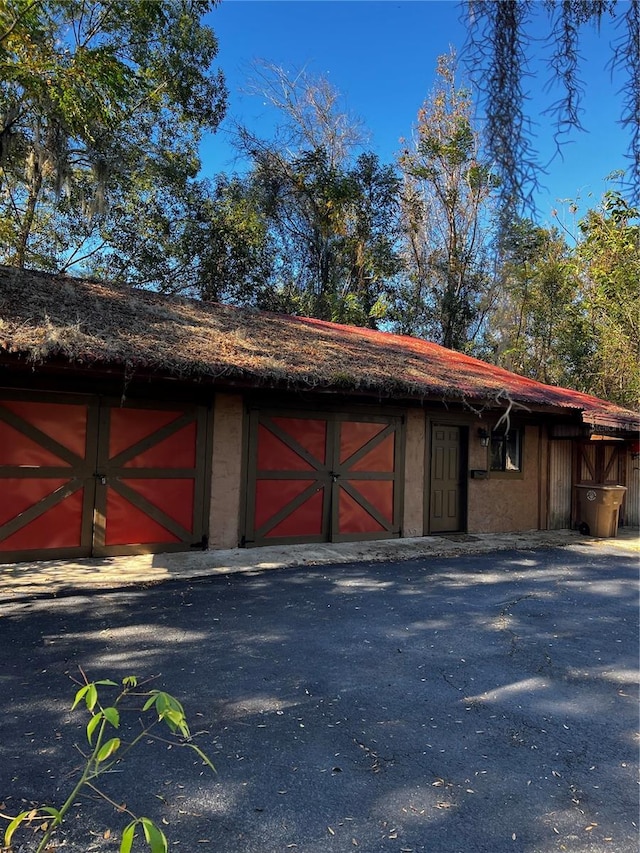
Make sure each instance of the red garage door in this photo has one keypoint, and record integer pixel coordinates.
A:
(79, 478)
(325, 477)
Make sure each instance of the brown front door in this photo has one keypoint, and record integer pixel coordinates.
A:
(320, 477)
(445, 505)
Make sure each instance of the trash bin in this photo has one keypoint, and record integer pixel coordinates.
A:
(598, 508)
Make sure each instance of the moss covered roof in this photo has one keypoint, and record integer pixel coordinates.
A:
(48, 318)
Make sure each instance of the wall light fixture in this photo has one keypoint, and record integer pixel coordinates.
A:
(483, 435)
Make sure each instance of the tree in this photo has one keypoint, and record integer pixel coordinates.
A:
(571, 315)
(233, 246)
(447, 188)
(330, 211)
(609, 262)
(499, 49)
(532, 327)
(101, 103)
(147, 236)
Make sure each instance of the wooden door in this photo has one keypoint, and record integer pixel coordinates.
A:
(79, 478)
(365, 479)
(445, 505)
(46, 478)
(600, 463)
(150, 484)
(322, 477)
(560, 485)
(288, 492)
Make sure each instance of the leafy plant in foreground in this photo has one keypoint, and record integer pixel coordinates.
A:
(106, 749)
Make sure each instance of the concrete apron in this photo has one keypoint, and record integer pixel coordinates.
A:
(49, 578)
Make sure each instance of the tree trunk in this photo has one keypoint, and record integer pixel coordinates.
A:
(27, 222)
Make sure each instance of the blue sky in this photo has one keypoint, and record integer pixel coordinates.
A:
(381, 56)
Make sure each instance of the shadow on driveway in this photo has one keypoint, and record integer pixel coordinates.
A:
(487, 703)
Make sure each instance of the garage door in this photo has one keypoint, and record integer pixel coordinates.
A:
(326, 477)
(81, 477)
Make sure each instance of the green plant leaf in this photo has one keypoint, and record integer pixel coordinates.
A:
(91, 726)
(91, 697)
(171, 711)
(150, 701)
(107, 682)
(130, 681)
(155, 837)
(166, 700)
(15, 823)
(108, 749)
(173, 718)
(53, 812)
(201, 754)
(79, 695)
(113, 716)
(128, 834)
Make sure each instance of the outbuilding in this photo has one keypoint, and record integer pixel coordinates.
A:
(133, 422)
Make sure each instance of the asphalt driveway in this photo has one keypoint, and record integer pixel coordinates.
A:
(480, 703)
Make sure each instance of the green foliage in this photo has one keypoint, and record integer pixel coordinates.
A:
(608, 260)
(105, 750)
(234, 251)
(571, 315)
(532, 325)
(98, 102)
(332, 229)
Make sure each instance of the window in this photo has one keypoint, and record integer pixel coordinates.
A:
(506, 451)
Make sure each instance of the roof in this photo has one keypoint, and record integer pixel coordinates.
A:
(48, 318)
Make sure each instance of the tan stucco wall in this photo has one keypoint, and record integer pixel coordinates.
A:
(414, 492)
(504, 504)
(226, 471)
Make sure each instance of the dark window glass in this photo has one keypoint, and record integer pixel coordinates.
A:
(506, 451)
